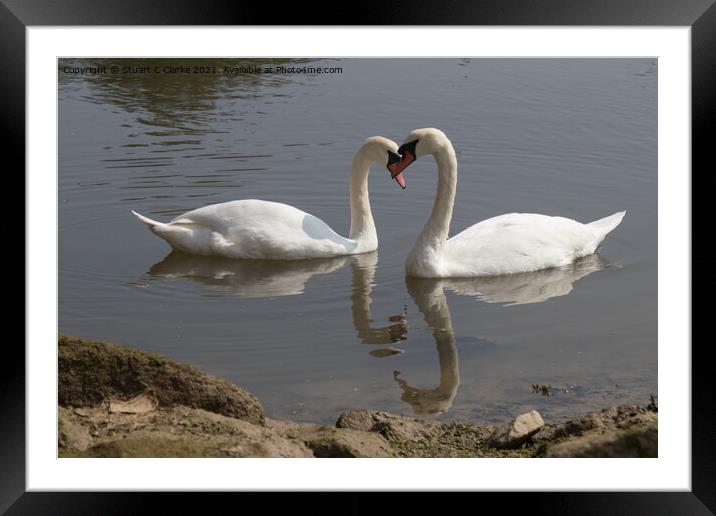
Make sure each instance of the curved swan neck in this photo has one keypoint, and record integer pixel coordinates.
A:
(437, 228)
(362, 225)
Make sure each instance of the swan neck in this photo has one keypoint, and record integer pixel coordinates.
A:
(437, 229)
(362, 225)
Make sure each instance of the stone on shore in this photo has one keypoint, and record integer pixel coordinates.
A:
(170, 432)
(388, 425)
(622, 431)
(138, 405)
(513, 434)
(642, 442)
(330, 441)
(71, 433)
(333, 442)
(623, 417)
(411, 437)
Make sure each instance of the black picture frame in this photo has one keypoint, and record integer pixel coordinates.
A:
(700, 15)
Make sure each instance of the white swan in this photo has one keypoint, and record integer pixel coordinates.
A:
(506, 244)
(255, 229)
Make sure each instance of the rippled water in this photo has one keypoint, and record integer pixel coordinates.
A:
(575, 138)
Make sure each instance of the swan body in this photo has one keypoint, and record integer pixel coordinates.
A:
(506, 244)
(252, 229)
(257, 229)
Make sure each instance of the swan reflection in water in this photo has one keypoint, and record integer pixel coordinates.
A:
(527, 287)
(514, 289)
(245, 278)
(262, 278)
(428, 295)
(362, 273)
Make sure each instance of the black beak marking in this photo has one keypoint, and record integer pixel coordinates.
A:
(393, 157)
(408, 148)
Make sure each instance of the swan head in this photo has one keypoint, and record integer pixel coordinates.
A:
(381, 151)
(419, 142)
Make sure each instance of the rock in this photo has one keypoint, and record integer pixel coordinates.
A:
(642, 442)
(623, 417)
(342, 443)
(291, 429)
(244, 439)
(357, 420)
(410, 437)
(183, 432)
(72, 434)
(390, 426)
(91, 372)
(138, 405)
(155, 447)
(326, 441)
(513, 434)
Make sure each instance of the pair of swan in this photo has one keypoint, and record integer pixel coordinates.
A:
(507, 244)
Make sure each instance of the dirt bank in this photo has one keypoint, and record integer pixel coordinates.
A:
(116, 401)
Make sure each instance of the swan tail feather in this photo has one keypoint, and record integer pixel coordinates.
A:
(186, 235)
(146, 220)
(607, 224)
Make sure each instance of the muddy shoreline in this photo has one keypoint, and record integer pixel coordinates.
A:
(117, 401)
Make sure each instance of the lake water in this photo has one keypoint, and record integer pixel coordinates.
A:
(569, 137)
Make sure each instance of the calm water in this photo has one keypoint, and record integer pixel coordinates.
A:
(576, 138)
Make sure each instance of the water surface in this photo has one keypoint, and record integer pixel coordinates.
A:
(568, 137)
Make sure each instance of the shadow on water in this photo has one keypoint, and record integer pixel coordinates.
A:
(265, 278)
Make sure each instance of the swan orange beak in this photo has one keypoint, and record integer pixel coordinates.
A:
(400, 180)
(394, 160)
(396, 169)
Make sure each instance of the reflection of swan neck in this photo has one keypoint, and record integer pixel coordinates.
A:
(441, 398)
(437, 228)
(449, 366)
(362, 225)
(437, 315)
(430, 299)
(362, 272)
